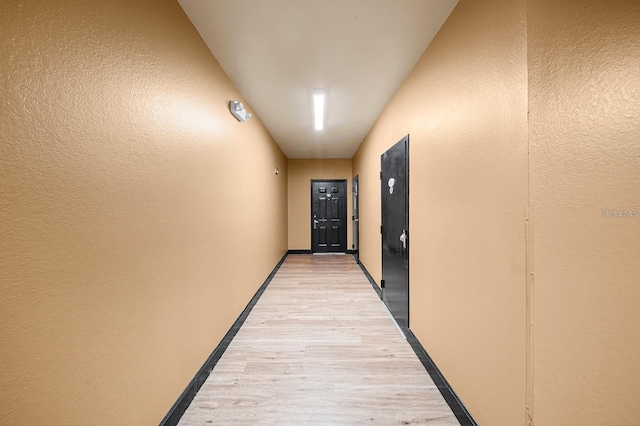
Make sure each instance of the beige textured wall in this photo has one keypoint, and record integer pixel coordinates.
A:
(574, 66)
(129, 239)
(301, 172)
(465, 108)
(584, 62)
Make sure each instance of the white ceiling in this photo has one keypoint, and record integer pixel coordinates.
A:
(277, 52)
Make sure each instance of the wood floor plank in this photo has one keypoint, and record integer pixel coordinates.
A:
(319, 348)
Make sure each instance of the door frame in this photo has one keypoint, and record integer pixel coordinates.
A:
(343, 214)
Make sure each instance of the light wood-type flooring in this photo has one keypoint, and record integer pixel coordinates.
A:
(319, 348)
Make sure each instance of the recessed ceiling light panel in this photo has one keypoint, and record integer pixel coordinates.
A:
(318, 110)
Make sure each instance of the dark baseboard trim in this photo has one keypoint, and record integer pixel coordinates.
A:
(458, 408)
(371, 280)
(310, 252)
(175, 413)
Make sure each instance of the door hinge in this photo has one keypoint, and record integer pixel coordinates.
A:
(353, 246)
(380, 175)
(381, 228)
(381, 283)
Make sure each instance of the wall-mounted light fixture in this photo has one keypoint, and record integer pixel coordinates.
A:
(318, 110)
(238, 111)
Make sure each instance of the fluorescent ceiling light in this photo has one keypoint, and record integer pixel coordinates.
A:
(318, 111)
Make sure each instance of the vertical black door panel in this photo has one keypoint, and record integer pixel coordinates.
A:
(395, 230)
(356, 219)
(329, 216)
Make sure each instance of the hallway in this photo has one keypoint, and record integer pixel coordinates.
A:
(319, 348)
(139, 216)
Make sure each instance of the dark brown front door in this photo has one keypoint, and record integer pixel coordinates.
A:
(329, 216)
